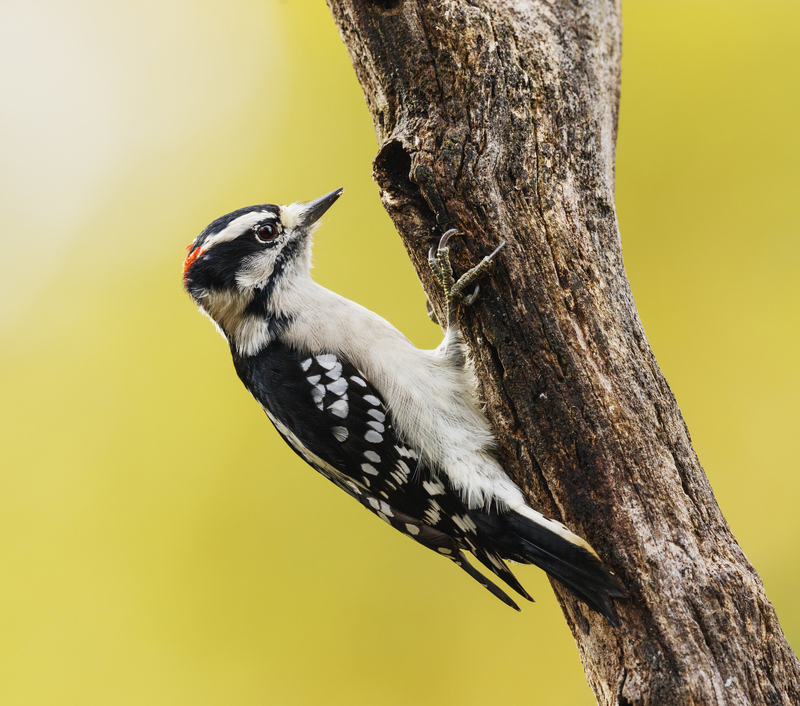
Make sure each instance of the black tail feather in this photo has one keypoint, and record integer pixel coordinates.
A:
(592, 590)
(518, 538)
(495, 590)
(494, 563)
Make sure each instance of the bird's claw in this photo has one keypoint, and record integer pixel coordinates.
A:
(439, 262)
(469, 299)
(445, 239)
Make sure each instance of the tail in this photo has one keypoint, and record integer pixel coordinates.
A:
(534, 539)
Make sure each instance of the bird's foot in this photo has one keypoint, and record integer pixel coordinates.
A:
(454, 290)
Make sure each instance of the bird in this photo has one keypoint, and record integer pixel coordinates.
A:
(399, 429)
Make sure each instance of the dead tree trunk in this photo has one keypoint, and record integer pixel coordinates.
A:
(499, 118)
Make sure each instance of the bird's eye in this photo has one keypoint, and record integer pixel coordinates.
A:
(265, 233)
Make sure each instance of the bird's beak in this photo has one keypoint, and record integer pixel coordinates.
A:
(314, 209)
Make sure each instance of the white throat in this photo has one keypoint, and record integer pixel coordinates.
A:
(251, 332)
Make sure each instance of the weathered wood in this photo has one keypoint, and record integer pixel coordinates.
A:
(499, 118)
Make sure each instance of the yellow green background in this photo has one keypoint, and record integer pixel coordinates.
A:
(158, 542)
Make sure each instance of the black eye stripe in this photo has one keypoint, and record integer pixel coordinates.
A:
(261, 296)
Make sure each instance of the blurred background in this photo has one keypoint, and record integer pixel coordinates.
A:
(158, 542)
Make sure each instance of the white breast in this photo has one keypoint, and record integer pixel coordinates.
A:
(430, 393)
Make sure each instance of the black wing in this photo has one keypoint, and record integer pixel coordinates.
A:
(333, 417)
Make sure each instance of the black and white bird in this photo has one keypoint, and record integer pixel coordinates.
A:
(398, 428)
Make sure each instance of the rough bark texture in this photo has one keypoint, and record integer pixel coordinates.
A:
(499, 117)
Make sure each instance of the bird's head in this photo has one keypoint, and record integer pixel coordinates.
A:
(236, 269)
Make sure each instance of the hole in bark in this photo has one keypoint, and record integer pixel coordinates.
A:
(386, 5)
(393, 167)
(405, 203)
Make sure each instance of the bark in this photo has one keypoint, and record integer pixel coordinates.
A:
(499, 118)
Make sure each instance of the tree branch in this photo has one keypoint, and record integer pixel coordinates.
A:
(499, 118)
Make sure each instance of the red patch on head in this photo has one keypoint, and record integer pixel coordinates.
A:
(190, 258)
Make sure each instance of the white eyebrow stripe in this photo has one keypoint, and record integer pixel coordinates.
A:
(236, 227)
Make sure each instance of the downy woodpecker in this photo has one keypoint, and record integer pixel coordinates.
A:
(397, 428)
